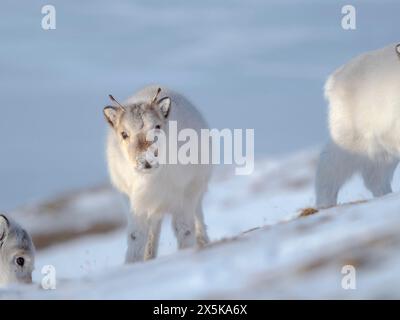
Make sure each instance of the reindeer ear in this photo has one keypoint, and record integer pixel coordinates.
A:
(165, 106)
(111, 114)
(4, 226)
(398, 50)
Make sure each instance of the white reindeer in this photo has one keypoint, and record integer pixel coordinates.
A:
(155, 189)
(17, 253)
(364, 123)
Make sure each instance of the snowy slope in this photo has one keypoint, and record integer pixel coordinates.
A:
(260, 249)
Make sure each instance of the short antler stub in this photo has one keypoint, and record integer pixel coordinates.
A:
(156, 95)
(115, 101)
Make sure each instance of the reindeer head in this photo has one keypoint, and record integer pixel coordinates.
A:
(132, 125)
(17, 253)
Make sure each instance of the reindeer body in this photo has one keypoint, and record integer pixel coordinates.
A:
(170, 188)
(364, 123)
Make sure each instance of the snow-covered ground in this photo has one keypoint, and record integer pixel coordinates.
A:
(260, 247)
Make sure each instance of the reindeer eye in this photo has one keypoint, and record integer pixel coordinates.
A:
(158, 127)
(20, 261)
(124, 135)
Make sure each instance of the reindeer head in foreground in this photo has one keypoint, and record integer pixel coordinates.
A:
(132, 125)
(17, 253)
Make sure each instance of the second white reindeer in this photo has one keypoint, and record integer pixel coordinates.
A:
(154, 190)
(364, 123)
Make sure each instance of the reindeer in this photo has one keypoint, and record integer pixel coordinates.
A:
(364, 124)
(154, 189)
(17, 253)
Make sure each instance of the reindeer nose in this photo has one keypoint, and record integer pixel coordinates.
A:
(147, 165)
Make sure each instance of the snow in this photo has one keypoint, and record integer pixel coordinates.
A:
(260, 247)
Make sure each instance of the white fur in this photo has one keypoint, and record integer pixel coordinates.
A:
(176, 189)
(364, 123)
